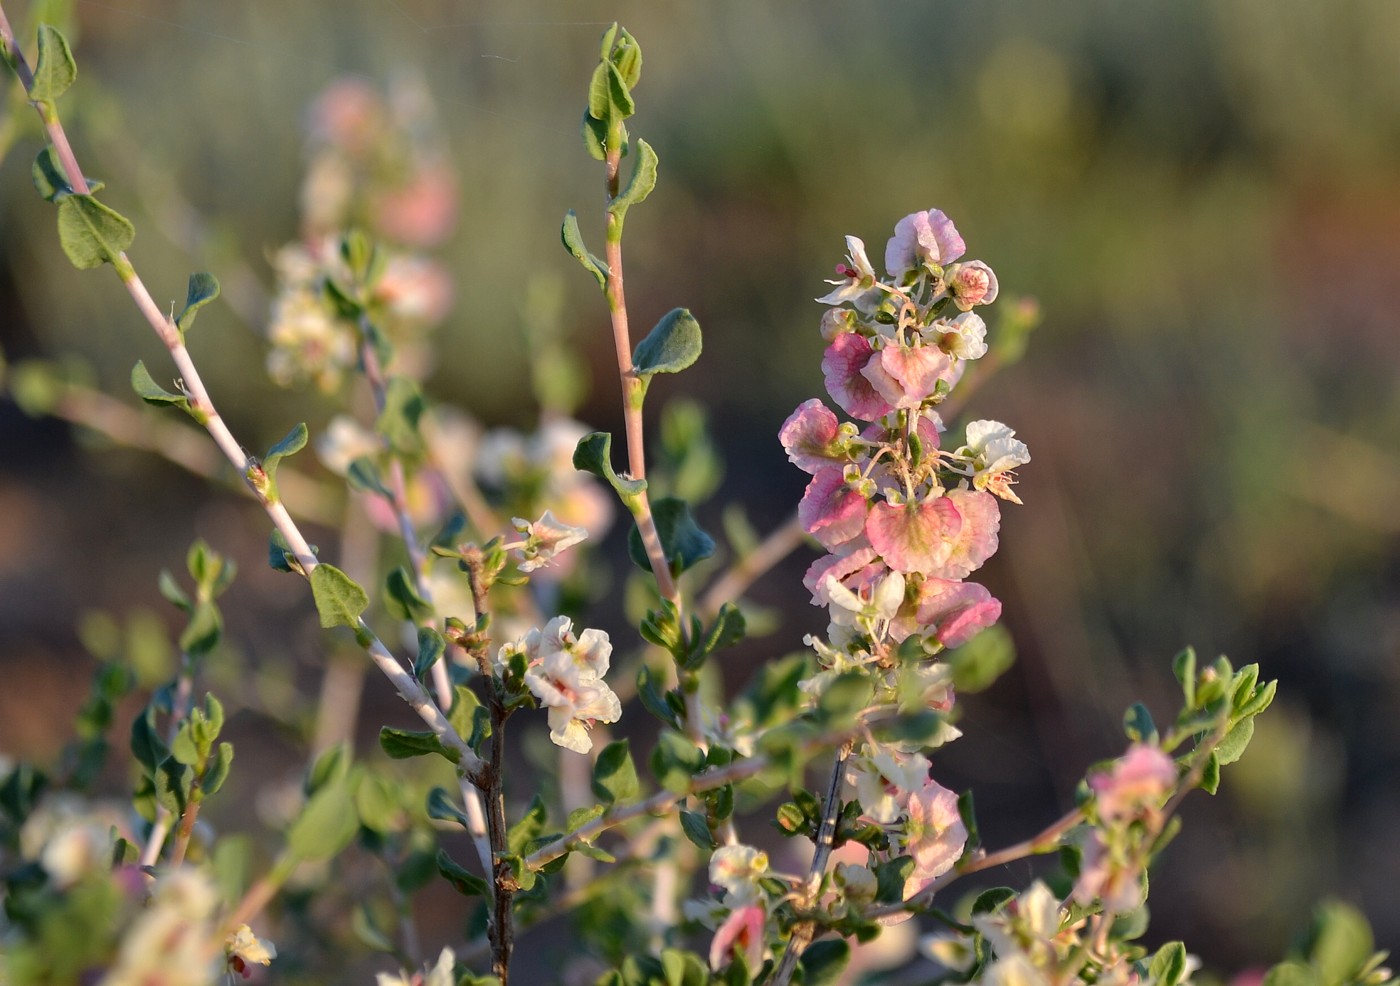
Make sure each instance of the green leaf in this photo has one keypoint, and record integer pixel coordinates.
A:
(279, 554)
(217, 771)
(203, 288)
(367, 932)
(681, 538)
(1139, 727)
(531, 824)
(402, 744)
(1168, 965)
(651, 696)
(628, 59)
(614, 774)
(671, 346)
(403, 408)
(146, 745)
(594, 454)
(727, 630)
(675, 761)
(977, 664)
(991, 901)
(845, 697)
(1338, 943)
(697, 829)
(598, 102)
(641, 183)
(465, 882)
(823, 962)
(619, 95)
(203, 631)
(363, 477)
(1210, 776)
(55, 69)
(339, 599)
(377, 804)
(153, 393)
(430, 648)
(91, 233)
(595, 136)
(573, 242)
(326, 824)
(1232, 747)
(171, 590)
(442, 808)
(401, 597)
(174, 782)
(48, 177)
(331, 767)
(890, 878)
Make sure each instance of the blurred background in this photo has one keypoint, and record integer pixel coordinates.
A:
(1203, 198)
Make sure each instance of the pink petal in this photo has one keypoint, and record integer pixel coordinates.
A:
(906, 375)
(808, 435)
(741, 931)
(830, 510)
(850, 557)
(955, 611)
(965, 624)
(913, 537)
(976, 540)
(841, 366)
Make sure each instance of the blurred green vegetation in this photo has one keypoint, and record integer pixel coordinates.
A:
(1203, 196)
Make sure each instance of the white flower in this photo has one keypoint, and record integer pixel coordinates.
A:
(965, 336)
(308, 343)
(857, 283)
(995, 452)
(874, 604)
(737, 869)
(243, 948)
(566, 675)
(884, 780)
(544, 539)
(438, 975)
(344, 441)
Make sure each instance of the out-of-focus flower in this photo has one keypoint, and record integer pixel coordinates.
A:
(415, 290)
(1138, 782)
(243, 949)
(440, 974)
(168, 942)
(308, 343)
(741, 932)
(544, 539)
(421, 212)
(995, 452)
(343, 441)
(1103, 876)
(737, 869)
(856, 281)
(922, 238)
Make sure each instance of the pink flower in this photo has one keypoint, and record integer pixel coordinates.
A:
(809, 436)
(831, 511)
(1103, 878)
(922, 238)
(972, 283)
(934, 835)
(741, 932)
(841, 365)
(954, 611)
(1139, 780)
(422, 212)
(913, 537)
(905, 376)
(976, 540)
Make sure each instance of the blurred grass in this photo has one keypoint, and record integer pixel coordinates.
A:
(1202, 195)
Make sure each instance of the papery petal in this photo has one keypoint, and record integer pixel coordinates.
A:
(976, 539)
(954, 610)
(935, 834)
(922, 237)
(841, 366)
(830, 510)
(905, 376)
(808, 436)
(850, 557)
(913, 537)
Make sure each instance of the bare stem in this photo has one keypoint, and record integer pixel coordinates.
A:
(804, 931)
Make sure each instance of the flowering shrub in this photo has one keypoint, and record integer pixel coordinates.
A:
(669, 871)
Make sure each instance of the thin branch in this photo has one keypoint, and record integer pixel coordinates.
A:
(203, 410)
(780, 542)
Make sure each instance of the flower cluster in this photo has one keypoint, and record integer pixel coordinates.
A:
(565, 672)
(905, 520)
